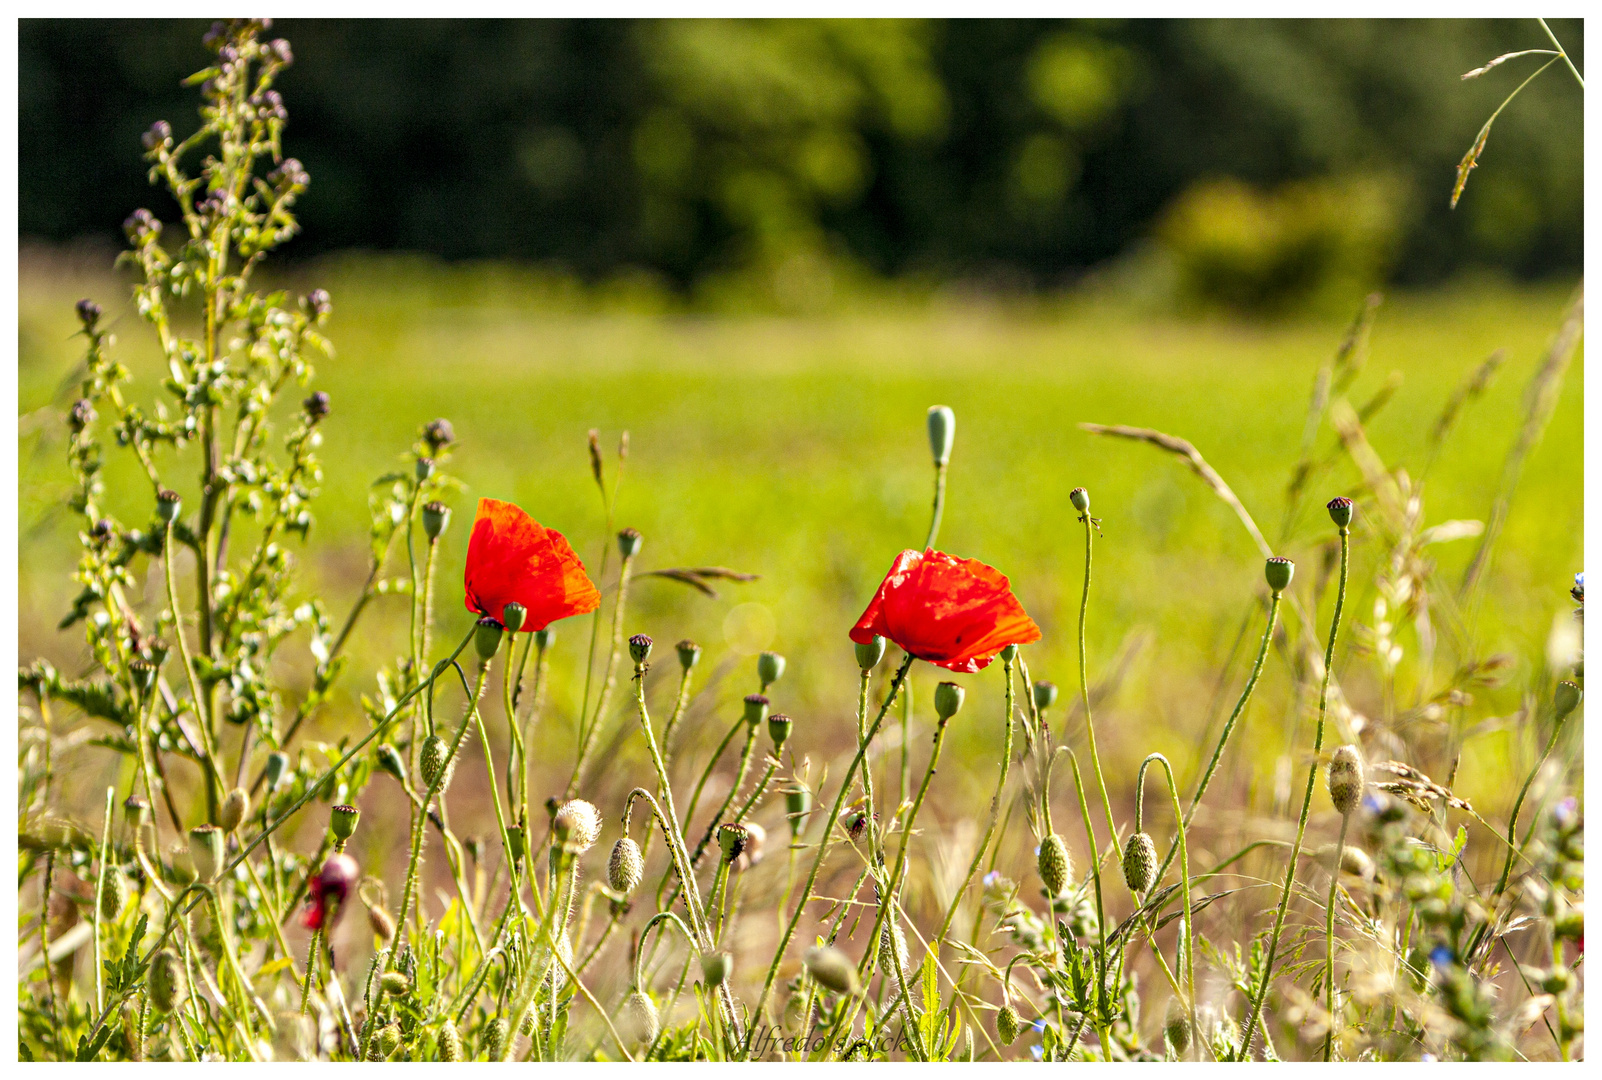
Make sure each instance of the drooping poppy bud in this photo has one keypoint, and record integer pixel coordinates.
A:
(165, 981)
(396, 984)
(1176, 1027)
(831, 969)
(450, 1041)
(1054, 864)
(1140, 862)
(640, 1023)
(1008, 1024)
(626, 868)
(1346, 779)
(715, 967)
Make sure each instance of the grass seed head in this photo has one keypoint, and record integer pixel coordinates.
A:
(577, 825)
(626, 868)
(1140, 862)
(1346, 778)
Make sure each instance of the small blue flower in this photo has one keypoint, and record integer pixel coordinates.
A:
(1038, 1025)
(1441, 956)
(1428, 1057)
(1036, 1051)
(991, 878)
(1565, 812)
(1372, 803)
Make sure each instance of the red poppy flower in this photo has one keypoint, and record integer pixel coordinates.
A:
(954, 613)
(511, 557)
(328, 890)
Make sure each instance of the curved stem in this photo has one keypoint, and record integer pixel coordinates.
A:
(1189, 951)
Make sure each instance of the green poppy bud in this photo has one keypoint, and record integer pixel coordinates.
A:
(1045, 695)
(143, 673)
(715, 967)
(342, 822)
(1279, 571)
(942, 432)
(436, 519)
(390, 760)
(543, 638)
(487, 638)
(1565, 699)
(1140, 862)
(830, 968)
(1008, 1024)
(113, 893)
(1346, 779)
(435, 763)
(626, 868)
(165, 981)
(423, 468)
(629, 542)
(1080, 500)
(869, 653)
(512, 616)
(395, 984)
(137, 810)
(1055, 864)
(779, 726)
(1008, 653)
(947, 700)
(893, 947)
(206, 851)
(1176, 1027)
(756, 709)
(797, 805)
(382, 923)
(1340, 510)
(689, 654)
(168, 505)
(495, 1033)
(385, 1043)
(770, 665)
(639, 1022)
(234, 809)
(731, 840)
(640, 648)
(450, 1041)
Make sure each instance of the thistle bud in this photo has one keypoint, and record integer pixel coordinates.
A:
(1176, 1027)
(113, 893)
(385, 1043)
(1278, 571)
(342, 822)
(512, 616)
(435, 763)
(770, 665)
(577, 825)
(206, 851)
(869, 653)
(1045, 695)
(495, 1035)
(1008, 1024)
(1140, 862)
(234, 809)
(165, 981)
(689, 654)
(797, 805)
(137, 810)
(640, 648)
(423, 468)
(629, 542)
(1080, 500)
(395, 984)
(715, 967)
(639, 1022)
(942, 432)
(947, 700)
(779, 726)
(1055, 864)
(436, 518)
(830, 968)
(1565, 699)
(1346, 779)
(1340, 510)
(88, 313)
(316, 406)
(438, 434)
(168, 504)
(731, 840)
(277, 769)
(487, 638)
(382, 923)
(756, 709)
(450, 1041)
(390, 760)
(626, 867)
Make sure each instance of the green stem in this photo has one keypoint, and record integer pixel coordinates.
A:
(995, 815)
(1189, 951)
(609, 682)
(1095, 874)
(1564, 53)
(939, 506)
(1329, 937)
(1084, 687)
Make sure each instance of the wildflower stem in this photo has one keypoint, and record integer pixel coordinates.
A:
(1259, 997)
(214, 774)
(1186, 960)
(1084, 686)
(734, 790)
(1329, 937)
(100, 894)
(1095, 875)
(609, 680)
(939, 508)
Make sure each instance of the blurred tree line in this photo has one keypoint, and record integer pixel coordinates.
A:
(1261, 160)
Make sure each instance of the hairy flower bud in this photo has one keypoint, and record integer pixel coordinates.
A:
(640, 648)
(832, 970)
(1346, 779)
(396, 984)
(770, 666)
(1080, 500)
(113, 893)
(626, 867)
(638, 1020)
(385, 1043)
(450, 1041)
(948, 699)
(779, 727)
(577, 825)
(206, 851)
(1176, 1027)
(342, 822)
(893, 947)
(1340, 510)
(1140, 862)
(629, 542)
(487, 638)
(1278, 571)
(1055, 864)
(1008, 1024)
(869, 653)
(436, 764)
(756, 709)
(689, 654)
(235, 808)
(436, 519)
(382, 923)
(942, 432)
(495, 1036)
(165, 981)
(1045, 695)
(715, 967)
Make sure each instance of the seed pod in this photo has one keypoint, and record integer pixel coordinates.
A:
(1278, 572)
(577, 825)
(1176, 1027)
(487, 638)
(144, 674)
(165, 981)
(1564, 699)
(942, 432)
(495, 1033)
(168, 505)
(385, 1043)
(1346, 779)
(234, 809)
(947, 700)
(423, 468)
(1055, 864)
(779, 728)
(629, 543)
(137, 810)
(206, 851)
(797, 805)
(689, 654)
(436, 763)
(639, 1022)
(450, 1041)
(626, 867)
(1045, 695)
(113, 893)
(383, 924)
(756, 709)
(1079, 498)
(832, 970)
(770, 666)
(731, 840)
(342, 822)
(715, 967)
(1140, 861)
(640, 648)
(436, 519)
(395, 984)
(870, 652)
(1340, 510)
(1008, 1024)
(390, 760)
(512, 616)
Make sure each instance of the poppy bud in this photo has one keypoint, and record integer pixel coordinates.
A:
(1176, 1027)
(689, 654)
(577, 825)
(830, 968)
(516, 842)
(1279, 571)
(1564, 699)
(779, 726)
(1008, 1024)
(756, 709)
(88, 313)
(1045, 695)
(450, 1041)
(316, 406)
(715, 967)
(628, 543)
(390, 761)
(383, 924)
(395, 984)
(342, 822)
(206, 851)
(234, 809)
(770, 665)
(626, 867)
(137, 809)
(438, 434)
(1346, 779)
(512, 615)
(1054, 863)
(82, 414)
(495, 1034)
(168, 503)
(113, 893)
(277, 768)
(143, 673)
(435, 763)
(1340, 510)
(639, 1020)
(423, 468)
(1080, 499)
(385, 1043)
(165, 981)
(942, 432)
(869, 653)
(436, 518)
(947, 700)
(731, 840)
(797, 805)
(1140, 862)
(640, 648)
(487, 638)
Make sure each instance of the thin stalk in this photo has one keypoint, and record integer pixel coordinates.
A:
(100, 892)
(1095, 874)
(1189, 951)
(609, 682)
(734, 790)
(1084, 686)
(1564, 53)
(938, 511)
(995, 815)
(1329, 937)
